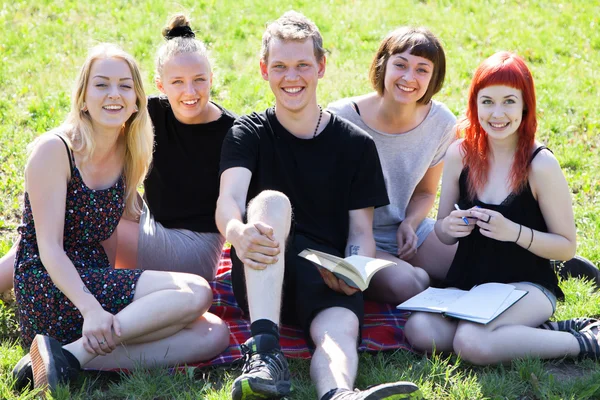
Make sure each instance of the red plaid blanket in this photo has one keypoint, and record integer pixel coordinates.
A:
(383, 327)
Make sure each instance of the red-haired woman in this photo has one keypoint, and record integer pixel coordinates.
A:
(518, 211)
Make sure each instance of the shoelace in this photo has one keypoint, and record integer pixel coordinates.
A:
(256, 361)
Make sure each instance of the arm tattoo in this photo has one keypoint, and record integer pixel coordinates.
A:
(86, 290)
(353, 249)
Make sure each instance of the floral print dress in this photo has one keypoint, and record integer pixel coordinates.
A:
(91, 216)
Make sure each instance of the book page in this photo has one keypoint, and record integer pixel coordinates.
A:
(482, 301)
(366, 266)
(432, 300)
(512, 298)
(337, 265)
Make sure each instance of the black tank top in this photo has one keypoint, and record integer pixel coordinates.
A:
(480, 259)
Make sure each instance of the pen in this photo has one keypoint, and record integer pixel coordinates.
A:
(465, 220)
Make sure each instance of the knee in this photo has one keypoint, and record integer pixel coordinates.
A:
(420, 332)
(212, 334)
(337, 323)
(270, 202)
(471, 344)
(201, 295)
(404, 284)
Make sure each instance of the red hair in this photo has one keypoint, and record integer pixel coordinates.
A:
(506, 69)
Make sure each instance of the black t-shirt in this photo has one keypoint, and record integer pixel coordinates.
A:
(323, 177)
(182, 186)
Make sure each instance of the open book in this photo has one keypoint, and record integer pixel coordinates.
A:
(356, 271)
(482, 304)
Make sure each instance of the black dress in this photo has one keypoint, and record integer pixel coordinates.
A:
(480, 259)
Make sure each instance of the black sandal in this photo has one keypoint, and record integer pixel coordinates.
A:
(589, 344)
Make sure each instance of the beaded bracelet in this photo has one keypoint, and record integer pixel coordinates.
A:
(518, 237)
(531, 241)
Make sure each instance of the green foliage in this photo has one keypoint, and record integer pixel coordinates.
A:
(42, 42)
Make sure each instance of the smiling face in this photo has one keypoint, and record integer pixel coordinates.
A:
(293, 71)
(407, 77)
(500, 110)
(186, 80)
(110, 96)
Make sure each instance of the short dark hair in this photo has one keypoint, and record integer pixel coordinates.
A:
(292, 26)
(417, 41)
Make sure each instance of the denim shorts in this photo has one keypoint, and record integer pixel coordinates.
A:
(548, 294)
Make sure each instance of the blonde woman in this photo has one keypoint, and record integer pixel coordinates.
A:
(73, 308)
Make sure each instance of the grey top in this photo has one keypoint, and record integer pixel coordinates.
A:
(405, 159)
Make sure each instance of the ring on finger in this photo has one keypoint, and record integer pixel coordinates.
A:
(101, 341)
(489, 219)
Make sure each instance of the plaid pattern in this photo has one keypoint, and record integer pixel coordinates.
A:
(383, 327)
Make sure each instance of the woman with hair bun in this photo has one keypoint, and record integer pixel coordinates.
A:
(515, 214)
(73, 308)
(177, 230)
(412, 132)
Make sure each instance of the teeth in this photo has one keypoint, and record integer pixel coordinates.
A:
(190, 102)
(112, 107)
(497, 125)
(405, 88)
(292, 90)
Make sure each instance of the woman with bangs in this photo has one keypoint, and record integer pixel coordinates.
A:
(515, 214)
(75, 310)
(412, 133)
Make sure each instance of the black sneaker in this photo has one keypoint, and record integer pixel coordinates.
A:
(50, 364)
(577, 267)
(22, 373)
(265, 373)
(390, 391)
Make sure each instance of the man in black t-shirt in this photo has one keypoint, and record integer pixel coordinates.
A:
(297, 159)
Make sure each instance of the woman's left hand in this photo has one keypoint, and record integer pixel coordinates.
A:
(407, 241)
(494, 225)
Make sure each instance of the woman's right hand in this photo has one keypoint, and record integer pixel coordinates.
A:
(98, 329)
(454, 224)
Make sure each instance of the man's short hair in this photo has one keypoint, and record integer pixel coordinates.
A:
(418, 42)
(292, 26)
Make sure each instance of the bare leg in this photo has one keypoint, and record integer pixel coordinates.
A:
(428, 332)
(204, 339)
(264, 287)
(7, 266)
(434, 257)
(513, 334)
(335, 361)
(397, 283)
(164, 304)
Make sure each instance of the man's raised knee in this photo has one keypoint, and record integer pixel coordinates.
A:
(270, 203)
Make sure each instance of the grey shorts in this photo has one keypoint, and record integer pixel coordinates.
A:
(387, 242)
(551, 297)
(177, 250)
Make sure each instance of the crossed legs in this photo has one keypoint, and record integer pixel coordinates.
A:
(166, 324)
(512, 335)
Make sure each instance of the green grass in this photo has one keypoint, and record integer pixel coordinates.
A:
(42, 42)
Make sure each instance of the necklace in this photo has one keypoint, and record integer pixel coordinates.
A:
(318, 122)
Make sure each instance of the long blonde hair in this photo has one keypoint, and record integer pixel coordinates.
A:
(137, 129)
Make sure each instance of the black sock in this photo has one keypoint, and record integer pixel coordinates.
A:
(333, 392)
(264, 326)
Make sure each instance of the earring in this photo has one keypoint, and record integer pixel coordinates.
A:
(84, 107)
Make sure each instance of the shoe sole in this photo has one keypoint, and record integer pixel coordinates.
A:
(394, 391)
(254, 389)
(42, 364)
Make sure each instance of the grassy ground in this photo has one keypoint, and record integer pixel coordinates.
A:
(42, 42)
